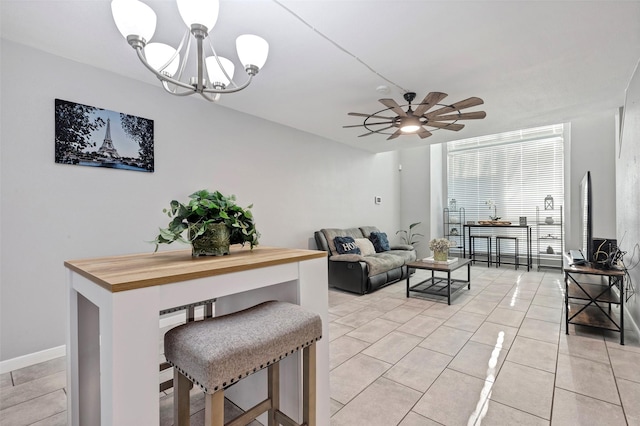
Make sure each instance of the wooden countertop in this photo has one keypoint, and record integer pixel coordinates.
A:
(129, 272)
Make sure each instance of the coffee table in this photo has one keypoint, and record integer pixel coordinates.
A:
(439, 286)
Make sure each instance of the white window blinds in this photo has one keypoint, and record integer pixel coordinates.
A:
(515, 170)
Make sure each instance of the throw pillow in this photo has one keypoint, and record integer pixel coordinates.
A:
(365, 246)
(380, 241)
(346, 245)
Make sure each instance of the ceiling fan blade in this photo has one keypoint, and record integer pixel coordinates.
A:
(467, 103)
(476, 115)
(395, 134)
(448, 126)
(393, 105)
(357, 114)
(377, 131)
(368, 124)
(429, 101)
(423, 133)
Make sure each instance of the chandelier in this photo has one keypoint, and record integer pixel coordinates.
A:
(137, 23)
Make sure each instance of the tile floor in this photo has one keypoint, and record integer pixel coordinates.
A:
(497, 356)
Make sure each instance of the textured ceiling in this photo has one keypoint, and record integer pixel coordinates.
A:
(533, 62)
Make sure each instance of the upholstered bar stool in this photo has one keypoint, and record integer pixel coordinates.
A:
(501, 238)
(218, 352)
(472, 248)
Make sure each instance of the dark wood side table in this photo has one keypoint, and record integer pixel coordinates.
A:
(439, 286)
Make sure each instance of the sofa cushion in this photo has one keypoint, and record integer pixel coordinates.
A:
(367, 230)
(380, 241)
(331, 233)
(382, 262)
(406, 255)
(365, 246)
(346, 245)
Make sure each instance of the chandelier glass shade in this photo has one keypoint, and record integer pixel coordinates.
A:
(214, 74)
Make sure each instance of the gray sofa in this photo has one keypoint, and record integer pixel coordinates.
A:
(366, 272)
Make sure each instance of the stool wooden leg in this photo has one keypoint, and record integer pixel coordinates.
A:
(181, 387)
(214, 409)
(273, 379)
(309, 387)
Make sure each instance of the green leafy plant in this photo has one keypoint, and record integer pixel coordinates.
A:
(203, 208)
(408, 236)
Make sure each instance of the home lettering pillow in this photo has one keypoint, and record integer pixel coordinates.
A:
(346, 245)
(380, 241)
(365, 246)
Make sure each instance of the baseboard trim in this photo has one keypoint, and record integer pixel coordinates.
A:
(31, 359)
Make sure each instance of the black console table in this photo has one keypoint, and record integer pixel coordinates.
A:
(526, 229)
(589, 294)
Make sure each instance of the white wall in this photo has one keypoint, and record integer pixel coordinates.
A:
(415, 194)
(50, 212)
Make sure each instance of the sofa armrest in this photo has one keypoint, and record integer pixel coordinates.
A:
(401, 247)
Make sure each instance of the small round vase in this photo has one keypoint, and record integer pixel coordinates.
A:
(214, 241)
(548, 220)
(440, 256)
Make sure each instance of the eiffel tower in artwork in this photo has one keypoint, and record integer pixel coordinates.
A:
(107, 148)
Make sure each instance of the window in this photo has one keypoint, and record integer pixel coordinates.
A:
(516, 170)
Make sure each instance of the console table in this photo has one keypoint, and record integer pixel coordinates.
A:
(113, 325)
(526, 229)
(589, 294)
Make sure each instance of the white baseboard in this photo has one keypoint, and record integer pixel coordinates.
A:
(31, 359)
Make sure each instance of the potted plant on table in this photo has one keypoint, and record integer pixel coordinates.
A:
(440, 248)
(212, 220)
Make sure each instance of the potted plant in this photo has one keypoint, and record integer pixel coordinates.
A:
(408, 236)
(440, 248)
(212, 220)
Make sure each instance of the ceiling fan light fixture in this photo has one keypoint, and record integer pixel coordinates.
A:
(410, 124)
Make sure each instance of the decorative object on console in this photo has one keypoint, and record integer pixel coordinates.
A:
(203, 210)
(453, 204)
(416, 121)
(523, 221)
(137, 23)
(78, 131)
(380, 241)
(492, 206)
(548, 202)
(548, 220)
(454, 231)
(408, 236)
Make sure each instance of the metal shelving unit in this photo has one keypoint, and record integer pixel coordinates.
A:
(454, 221)
(549, 238)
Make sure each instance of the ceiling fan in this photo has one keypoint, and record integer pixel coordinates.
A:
(419, 120)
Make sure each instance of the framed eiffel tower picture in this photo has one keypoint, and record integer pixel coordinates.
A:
(97, 137)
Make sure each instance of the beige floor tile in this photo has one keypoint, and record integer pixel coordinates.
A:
(334, 406)
(515, 303)
(415, 419)
(418, 303)
(344, 348)
(383, 403)
(35, 409)
(548, 301)
(337, 297)
(421, 325)
(446, 340)
(353, 376)
(418, 369)
(524, 388)
(59, 419)
(374, 330)
(392, 347)
(402, 314)
(631, 341)
(479, 360)
(545, 313)
(630, 396)
(593, 348)
(467, 321)
(509, 317)
(495, 335)
(441, 310)
(586, 377)
(336, 330)
(346, 308)
(5, 380)
(36, 371)
(387, 304)
(540, 330)
(573, 409)
(496, 414)
(32, 389)
(534, 353)
(626, 364)
(359, 318)
(484, 307)
(487, 297)
(521, 293)
(453, 398)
